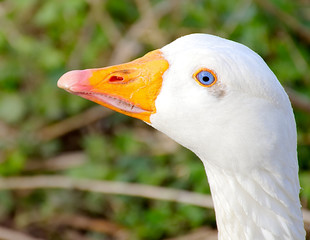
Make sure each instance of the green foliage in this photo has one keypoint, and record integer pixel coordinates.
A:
(13, 164)
(12, 107)
(124, 12)
(40, 40)
(7, 204)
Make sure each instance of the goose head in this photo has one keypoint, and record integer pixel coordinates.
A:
(219, 99)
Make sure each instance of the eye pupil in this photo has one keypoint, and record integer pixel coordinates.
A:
(205, 79)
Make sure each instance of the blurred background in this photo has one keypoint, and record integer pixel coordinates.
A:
(65, 139)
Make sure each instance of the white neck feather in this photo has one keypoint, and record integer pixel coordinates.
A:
(252, 168)
(255, 205)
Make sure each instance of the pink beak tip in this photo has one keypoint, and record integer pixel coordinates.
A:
(73, 79)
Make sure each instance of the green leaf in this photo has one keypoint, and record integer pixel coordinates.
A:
(13, 164)
(12, 107)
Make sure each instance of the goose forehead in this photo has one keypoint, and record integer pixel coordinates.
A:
(186, 56)
(205, 42)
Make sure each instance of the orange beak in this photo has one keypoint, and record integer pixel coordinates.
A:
(129, 88)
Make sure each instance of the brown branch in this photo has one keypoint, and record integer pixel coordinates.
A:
(199, 234)
(71, 234)
(9, 234)
(91, 224)
(299, 60)
(7, 131)
(108, 187)
(153, 34)
(286, 18)
(83, 38)
(60, 162)
(234, 19)
(306, 216)
(298, 100)
(104, 20)
(127, 47)
(119, 188)
(73, 123)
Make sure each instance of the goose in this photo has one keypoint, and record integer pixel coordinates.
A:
(219, 99)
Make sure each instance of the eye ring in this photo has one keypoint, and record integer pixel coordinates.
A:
(205, 77)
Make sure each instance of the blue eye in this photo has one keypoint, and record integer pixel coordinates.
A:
(206, 78)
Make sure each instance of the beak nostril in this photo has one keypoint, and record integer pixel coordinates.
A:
(116, 79)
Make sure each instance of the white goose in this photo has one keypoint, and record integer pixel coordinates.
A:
(219, 99)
